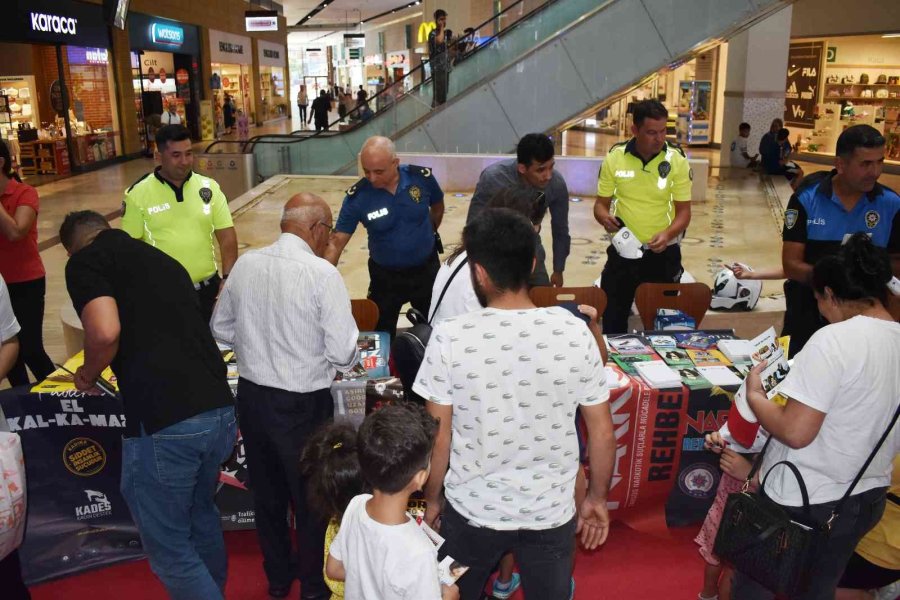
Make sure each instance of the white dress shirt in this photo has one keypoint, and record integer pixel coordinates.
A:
(287, 314)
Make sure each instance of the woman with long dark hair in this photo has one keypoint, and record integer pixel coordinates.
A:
(842, 393)
(22, 269)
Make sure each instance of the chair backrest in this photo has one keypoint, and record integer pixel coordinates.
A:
(690, 298)
(365, 313)
(552, 296)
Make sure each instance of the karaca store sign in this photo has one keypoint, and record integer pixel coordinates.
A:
(425, 30)
(54, 23)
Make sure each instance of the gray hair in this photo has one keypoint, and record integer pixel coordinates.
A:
(303, 214)
(381, 142)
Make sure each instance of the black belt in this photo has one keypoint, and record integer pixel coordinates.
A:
(206, 282)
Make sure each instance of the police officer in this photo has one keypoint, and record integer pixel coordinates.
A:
(178, 211)
(650, 180)
(825, 210)
(401, 207)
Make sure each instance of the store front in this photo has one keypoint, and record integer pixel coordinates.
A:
(231, 62)
(165, 73)
(57, 90)
(688, 91)
(856, 81)
(274, 103)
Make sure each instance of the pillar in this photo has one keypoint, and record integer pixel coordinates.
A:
(755, 84)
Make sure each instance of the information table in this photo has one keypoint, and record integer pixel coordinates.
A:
(77, 518)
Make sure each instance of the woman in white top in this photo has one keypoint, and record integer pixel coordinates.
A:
(842, 392)
(302, 103)
(460, 297)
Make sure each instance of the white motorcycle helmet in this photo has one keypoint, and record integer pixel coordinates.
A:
(731, 293)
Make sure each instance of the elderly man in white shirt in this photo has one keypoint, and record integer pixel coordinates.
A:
(287, 313)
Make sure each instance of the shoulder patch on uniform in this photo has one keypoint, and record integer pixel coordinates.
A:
(351, 191)
(143, 177)
(423, 171)
(678, 147)
(790, 218)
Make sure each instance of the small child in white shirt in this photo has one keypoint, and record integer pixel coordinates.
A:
(380, 552)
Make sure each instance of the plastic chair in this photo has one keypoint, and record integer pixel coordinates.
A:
(365, 313)
(552, 296)
(690, 298)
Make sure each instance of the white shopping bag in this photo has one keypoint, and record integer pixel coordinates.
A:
(12, 493)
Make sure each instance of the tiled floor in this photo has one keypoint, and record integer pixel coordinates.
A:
(737, 222)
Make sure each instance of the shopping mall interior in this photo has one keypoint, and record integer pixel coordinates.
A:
(279, 98)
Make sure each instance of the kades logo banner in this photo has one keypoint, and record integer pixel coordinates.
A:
(804, 67)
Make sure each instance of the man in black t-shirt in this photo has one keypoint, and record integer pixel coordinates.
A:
(141, 316)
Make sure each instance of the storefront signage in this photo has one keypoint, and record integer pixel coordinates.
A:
(55, 23)
(87, 56)
(831, 54)
(168, 35)
(56, 99)
(804, 69)
(163, 35)
(261, 20)
(425, 30)
(228, 48)
(270, 55)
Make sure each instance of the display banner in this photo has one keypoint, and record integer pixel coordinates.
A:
(804, 68)
(77, 518)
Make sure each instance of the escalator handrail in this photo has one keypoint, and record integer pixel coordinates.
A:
(292, 138)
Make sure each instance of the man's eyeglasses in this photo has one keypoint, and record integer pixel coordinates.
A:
(330, 228)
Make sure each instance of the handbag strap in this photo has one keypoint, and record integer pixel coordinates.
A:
(447, 287)
(887, 432)
(804, 494)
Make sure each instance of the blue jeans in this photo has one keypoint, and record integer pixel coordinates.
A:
(169, 480)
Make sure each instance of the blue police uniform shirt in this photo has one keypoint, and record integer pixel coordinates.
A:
(401, 234)
(815, 217)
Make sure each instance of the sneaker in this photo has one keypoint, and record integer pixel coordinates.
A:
(502, 591)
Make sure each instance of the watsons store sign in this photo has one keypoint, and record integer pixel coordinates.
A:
(167, 35)
(47, 23)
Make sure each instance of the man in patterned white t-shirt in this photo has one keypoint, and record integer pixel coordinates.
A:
(505, 382)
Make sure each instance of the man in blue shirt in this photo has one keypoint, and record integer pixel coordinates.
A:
(826, 209)
(401, 207)
(768, 145)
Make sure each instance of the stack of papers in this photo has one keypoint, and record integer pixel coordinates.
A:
(719, 375)
(737, 351)
(658, 375)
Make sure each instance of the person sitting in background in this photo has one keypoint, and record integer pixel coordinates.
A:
(739, 155)
(777, 163)
(380, 551)
(841, 392)
(768, 145)
(365, 113)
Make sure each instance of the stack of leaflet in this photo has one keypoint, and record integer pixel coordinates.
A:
(678, 359)
(628, 350)
(658, 375)
(737, 351)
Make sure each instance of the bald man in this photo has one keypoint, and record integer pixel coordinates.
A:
(286, 312)
(401, 207)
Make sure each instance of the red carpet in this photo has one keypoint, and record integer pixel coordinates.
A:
(631, 565)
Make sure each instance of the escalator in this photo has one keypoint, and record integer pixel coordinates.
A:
(555, 62)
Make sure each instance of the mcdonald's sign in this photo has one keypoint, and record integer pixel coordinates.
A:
(425, 29)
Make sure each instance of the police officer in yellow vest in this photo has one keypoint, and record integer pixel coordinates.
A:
(180, 212)
(650, 181)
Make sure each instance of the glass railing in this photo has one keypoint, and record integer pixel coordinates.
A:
(521, 26)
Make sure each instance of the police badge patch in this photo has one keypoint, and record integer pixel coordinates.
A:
(872, 218)
(790, 218)
(415, 193)
(206, 194)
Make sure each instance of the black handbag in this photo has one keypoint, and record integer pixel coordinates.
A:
(408, 348)
(761, 540)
